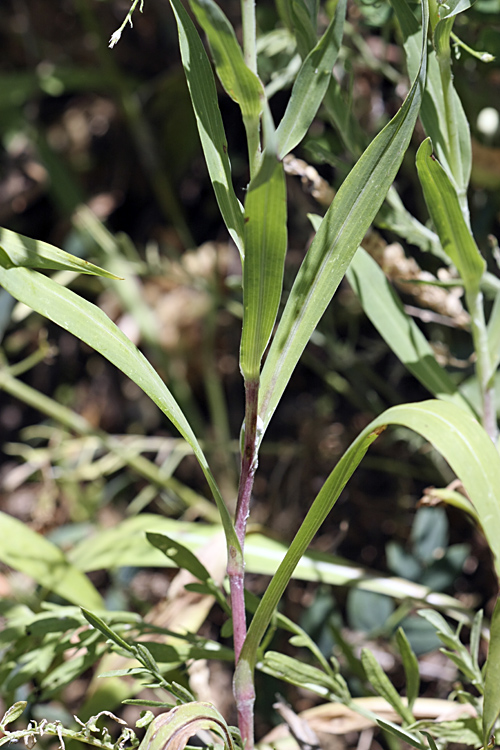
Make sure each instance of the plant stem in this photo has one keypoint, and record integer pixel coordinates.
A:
(252, 125)
(483, 362)
(249, 34)
(243, 687)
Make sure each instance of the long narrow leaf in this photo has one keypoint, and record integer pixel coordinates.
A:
(16, 250)
(401, 333)
(460, 440)
(449, 131)
(30, 553)
(203, 93)
(92, 325)
(311, 84)
(336, 241)
(265, 247)
(238, 80)
(444, 208)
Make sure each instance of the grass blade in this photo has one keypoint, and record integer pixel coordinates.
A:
(239, 82)
(336, 241)
(401, 333)
(450, 134)
(203, 93)
(16, 250)
(311, 85)
(265, 248)
(444, 208)
(460, 440)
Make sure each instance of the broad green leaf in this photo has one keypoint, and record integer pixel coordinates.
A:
(265, 238)
(126, 544)
(16, 250)
(336, 241)
(491, 707)
(203, 93)
(410, 664)
(173, 729)
(90, 324)
(311, 85)
(449, 130)
(383, 686)
(29, 552)
(399, 330)
(13, 713)
(444, 208)
(454, 433)
(238, 80)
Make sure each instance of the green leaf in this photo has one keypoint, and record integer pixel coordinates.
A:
(92, 325)
(491, 707)
(265, 237)
(180, 555)
(298, 672)
(336, 241)
(383, 686)
(16, 251)
(311, 84)
(444, 208)
(401, 734)
(203, 93)
(104, 628)
(460, 440)
(399, 330)
(13, 713)
(453, 7)
(410, 664)
(238, 80)
(449, 131)
(29, 552)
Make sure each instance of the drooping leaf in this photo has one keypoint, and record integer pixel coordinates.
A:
(460, 440)
(18, 251)
(399, 330)
(90, 324)
(444, 208)
(29, 552)
(336, 241)
(311, 85)
(203, 93)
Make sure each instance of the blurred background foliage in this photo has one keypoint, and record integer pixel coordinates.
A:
(99, 154)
